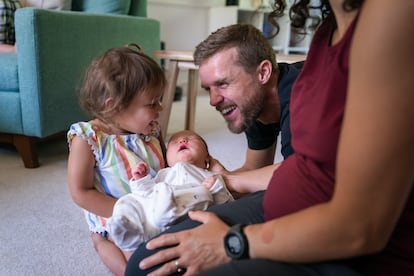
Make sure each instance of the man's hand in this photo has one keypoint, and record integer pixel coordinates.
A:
(216, 167)
(209, 182)
(196, 250)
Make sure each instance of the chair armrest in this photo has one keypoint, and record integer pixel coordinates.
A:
(54, 49)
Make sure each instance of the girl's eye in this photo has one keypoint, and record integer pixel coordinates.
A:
(156, 103)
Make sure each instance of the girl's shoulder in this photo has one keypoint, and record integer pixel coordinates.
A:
(85, 130)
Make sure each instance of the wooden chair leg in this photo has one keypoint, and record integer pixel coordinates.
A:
(26, 146)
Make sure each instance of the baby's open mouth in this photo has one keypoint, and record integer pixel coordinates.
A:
(182, 147)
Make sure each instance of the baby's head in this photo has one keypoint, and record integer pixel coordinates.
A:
(115, 78)
(187, 146)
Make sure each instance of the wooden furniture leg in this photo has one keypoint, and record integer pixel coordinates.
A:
(168, 98)
(178, 60)
(25, 146)
(191, 99)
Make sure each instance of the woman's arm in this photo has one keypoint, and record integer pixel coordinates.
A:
(81, 164)
(376, 150)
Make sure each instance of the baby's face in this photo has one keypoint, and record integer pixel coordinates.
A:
(187, 146)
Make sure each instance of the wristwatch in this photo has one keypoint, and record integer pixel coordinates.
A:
(236, 243)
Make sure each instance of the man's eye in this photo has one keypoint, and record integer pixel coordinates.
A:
(223, 85)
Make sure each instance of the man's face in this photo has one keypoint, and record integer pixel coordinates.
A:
(236, 94)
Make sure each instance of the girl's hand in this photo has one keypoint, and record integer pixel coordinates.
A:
(196, 250)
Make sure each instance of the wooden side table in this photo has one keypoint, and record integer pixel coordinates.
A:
(178, 60)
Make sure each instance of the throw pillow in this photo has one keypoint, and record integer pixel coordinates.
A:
(102, 6)
(48, 4)
(7, 8)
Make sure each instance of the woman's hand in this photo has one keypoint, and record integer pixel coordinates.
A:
(196, 250)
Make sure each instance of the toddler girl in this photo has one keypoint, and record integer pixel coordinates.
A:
(121, 91)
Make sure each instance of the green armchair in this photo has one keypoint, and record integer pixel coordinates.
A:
(39, 83)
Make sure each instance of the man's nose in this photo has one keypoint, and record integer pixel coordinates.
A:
(215, 98)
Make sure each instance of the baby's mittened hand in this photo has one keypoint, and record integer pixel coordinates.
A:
(140, 170)
(209, 182)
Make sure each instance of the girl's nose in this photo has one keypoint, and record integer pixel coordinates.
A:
(159, 106)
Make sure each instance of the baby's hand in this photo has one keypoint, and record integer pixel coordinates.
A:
(209, 182)
(140, 171)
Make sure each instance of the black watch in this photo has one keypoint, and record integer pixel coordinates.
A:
(236, 243)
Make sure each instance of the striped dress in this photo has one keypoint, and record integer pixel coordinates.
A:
(115, 155)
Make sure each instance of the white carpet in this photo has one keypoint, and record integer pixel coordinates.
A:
(42, 232)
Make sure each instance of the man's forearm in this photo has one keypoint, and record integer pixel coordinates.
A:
(250, 181)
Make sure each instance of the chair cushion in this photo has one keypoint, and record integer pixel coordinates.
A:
(9, 80)
(102, 6)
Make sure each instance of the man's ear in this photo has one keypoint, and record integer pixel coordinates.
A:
(265, 69)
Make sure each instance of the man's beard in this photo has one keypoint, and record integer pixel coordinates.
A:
(249, 112)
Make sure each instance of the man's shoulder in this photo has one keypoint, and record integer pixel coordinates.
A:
(288, 70)
(288, 74)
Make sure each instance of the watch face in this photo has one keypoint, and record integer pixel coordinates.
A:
(234, 245)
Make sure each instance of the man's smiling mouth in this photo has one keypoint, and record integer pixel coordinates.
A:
(227, 110)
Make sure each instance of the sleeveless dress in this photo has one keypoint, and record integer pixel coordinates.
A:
(115, 155)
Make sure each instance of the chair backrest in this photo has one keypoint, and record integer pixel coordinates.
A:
(128, 7)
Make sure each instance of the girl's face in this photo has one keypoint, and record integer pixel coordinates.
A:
(141, 115)
(187, 146)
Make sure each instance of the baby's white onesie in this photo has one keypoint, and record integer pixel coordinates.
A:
(156, 202)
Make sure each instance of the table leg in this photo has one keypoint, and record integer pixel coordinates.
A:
(191, 99)
(168, 98)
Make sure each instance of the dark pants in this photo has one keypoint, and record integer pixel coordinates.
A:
(259, 267)
(246, 210)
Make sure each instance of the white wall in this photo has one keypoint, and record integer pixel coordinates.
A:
(185, 23)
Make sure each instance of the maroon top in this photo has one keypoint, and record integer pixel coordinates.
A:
(307, 177)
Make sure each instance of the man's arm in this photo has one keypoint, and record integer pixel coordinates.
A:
(256, 159)
(250, 181)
